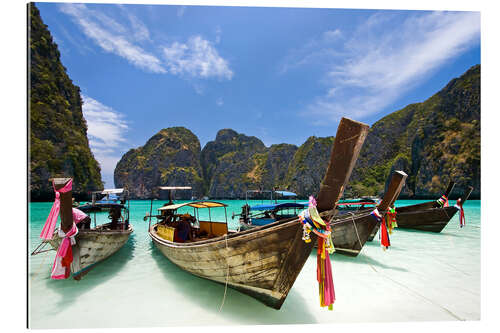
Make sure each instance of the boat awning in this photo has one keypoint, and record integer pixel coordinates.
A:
(174, 187)
(112, 191)
(194, 204)
(277, 206)
(286, 193)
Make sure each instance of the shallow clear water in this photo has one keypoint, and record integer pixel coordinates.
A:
(422, 277)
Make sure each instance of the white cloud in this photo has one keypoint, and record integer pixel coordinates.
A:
(111, 36)
(385, 57)
(141, 32)
(219, 101)
(106, 132)
(332, 34)
(196, 58)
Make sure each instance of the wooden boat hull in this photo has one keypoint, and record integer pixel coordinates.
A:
(433, 219)
(93, 246)
(351, 231)
(263, 262)
(427, 219)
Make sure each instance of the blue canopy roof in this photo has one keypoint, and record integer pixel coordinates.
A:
(286, 193)
(283, 205)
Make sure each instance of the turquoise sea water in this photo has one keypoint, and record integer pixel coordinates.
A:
(422, 277)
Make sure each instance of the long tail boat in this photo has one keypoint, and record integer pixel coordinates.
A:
(92, 244)
(351, 230)
(429, 216)
(265, 261)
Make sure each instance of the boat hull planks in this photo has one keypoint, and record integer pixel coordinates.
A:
(263, 262)
(434, 219)
(93, 246)
(431, 219)
(351, 233)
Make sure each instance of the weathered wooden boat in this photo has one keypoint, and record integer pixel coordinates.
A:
(350, 220)
(351, 230)
(93, 244)
(349, 233)
(428, 216)
(265, 261)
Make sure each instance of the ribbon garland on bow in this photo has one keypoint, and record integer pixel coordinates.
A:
(384, 235)
(61, 267)
(460, 207)
(391, 219)
(443, 201)
(312, 222)
(50, 224)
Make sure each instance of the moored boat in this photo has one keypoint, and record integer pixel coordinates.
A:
(262, 262)
(265, 213)
(429, 216)
(110, 197)
(80, 246)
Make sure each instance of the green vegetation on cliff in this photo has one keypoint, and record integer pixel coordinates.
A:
(433, 141)
(58, 143)
(231, 164)
(308, 166)
(170, 157)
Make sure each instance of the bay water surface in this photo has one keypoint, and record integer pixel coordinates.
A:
(423, 276)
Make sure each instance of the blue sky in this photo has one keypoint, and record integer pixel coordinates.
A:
(280, 74)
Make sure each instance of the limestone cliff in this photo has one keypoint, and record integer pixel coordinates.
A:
(433, 141)
(58, 143)
(170, 157)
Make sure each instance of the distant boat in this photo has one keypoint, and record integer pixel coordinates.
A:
(265, 213)
(262, 262)
(92, 244)
(108, 200)
(428, 216)
(356, 204)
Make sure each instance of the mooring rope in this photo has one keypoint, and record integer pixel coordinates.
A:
(227, 278)
(357, 234)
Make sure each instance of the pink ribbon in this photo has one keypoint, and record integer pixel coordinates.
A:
(50, 224)
(329, 288)
(62, 263)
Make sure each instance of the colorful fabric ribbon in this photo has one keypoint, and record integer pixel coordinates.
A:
(384, 235)
(443, 201)
(312, 222)
(460, 207)
(61, 268)
(50, 224)
(391, 219)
